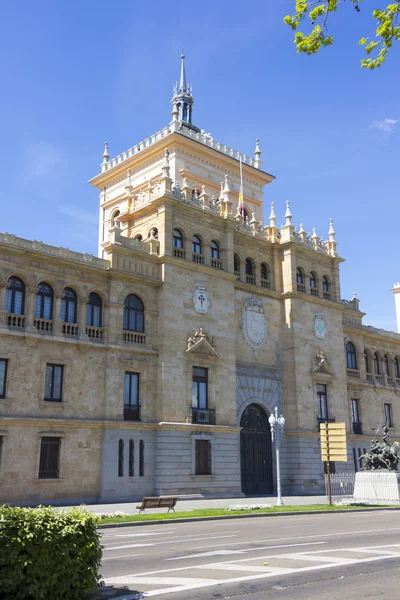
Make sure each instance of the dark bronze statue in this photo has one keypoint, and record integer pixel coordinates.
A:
(383, 454)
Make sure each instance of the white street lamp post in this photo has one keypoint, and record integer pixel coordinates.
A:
(277, 424)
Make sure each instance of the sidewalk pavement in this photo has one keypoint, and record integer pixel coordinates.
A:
(198, 503)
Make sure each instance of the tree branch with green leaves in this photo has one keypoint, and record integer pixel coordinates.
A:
(317, 13)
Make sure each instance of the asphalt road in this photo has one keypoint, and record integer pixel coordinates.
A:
(330, 556)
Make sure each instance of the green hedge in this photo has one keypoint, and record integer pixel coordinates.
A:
(48, 554)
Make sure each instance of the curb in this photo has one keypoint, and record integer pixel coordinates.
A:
(249, 516)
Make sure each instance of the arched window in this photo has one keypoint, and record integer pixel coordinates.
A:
(133, 314)
(313, 281)
(325, 284)
(196, 245)
(44, 301)
(367, 362)
(351, 356)
(94, 310)
(177, 239)
(214, 249)
(396, 367)
(249, 266)
(236, 264)
(15, 296)
(299, 276)
(154, 233)
(139, 237)
(376, 364)
(68, 306)
(264, 271)
(113, 219)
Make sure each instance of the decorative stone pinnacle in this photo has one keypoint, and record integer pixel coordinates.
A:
(301, 230)
(257, 151)
(226, 186)
(106, 156)
(272, 216)
(331, 231)
(314, 232)
(288, 214)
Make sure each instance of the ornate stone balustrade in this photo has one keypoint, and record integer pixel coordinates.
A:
(369, 376)
(380, 379)
(389, 380)
(216, 263)
(43, 325)
(353, 373)
(95, 333)
(17, 321)
(203, 138)
(60, 252)
(179, 253)
(134, 337)
(314, 292)
(327, 295)
(251, 279)
(70, 329)
(301, 288)
(265, 283)
(197, 258)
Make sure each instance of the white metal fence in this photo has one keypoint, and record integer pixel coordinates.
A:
(381, 491)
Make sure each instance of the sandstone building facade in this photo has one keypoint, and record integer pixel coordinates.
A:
(153, 368)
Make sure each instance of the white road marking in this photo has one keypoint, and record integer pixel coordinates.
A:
(122, 556)
(219, 537)
(122, 535)
(243, 551)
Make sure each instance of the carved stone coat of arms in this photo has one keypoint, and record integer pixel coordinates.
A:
(254, 324)
(201, 298)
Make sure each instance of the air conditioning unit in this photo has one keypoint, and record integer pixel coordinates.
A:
(203, 416)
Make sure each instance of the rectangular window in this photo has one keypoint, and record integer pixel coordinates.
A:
(332, 468)
(49, 458)
(203, 457)
(199, 388)
(3, 377)
(388, 414)
(322, 402)
(131, 390)
(54, 382)
(121, 458)
(354, 411)
(131, 458)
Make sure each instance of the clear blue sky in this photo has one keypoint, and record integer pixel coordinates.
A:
(75, 74)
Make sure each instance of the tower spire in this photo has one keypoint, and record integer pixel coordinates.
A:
(183, 101)
(182, 82)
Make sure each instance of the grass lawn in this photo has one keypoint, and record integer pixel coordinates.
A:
(218, 512)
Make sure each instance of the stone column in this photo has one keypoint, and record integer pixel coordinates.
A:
(57, 320)
(30, 297)
(81, 314)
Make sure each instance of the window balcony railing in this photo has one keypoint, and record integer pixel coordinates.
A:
(251, 279)
(314, 292)
(370, 376)
(197, 258)
(17, 321)
(380, 379)
(70, 329)
(95, 333)
(134, 337)
(357, 428)
(131, 413)
(397, 380)
(325, 420)
(203, 416)
(179, 253)
(389, 380)
(237, 274)
(216, 263)
(353, 373)
(327, 295)
(44, 325)
(301, 288)
(265, 283)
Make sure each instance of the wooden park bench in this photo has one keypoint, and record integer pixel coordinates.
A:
(158, 502)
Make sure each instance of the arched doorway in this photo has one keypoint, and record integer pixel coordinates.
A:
(255, 452)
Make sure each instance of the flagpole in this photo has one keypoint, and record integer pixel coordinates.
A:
(241, 205)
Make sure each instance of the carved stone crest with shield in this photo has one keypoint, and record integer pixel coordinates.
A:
(254, 324)
(319, 325)
(201, 298)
